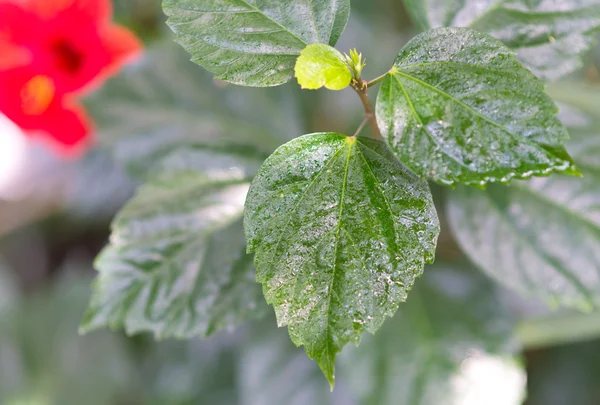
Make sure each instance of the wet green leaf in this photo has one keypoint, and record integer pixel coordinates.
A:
(457, 107)
(176, 265)
(548, 36)
(321, 65)
(540, 238)
(444, 346)
(250, 42)
(340, 230)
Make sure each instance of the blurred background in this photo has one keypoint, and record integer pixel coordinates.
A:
(55, 217)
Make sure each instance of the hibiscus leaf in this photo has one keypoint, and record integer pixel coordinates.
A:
(540, 238)
(357, 228)
(254, 43)
(457, 107)
(176, 263)
(165, 103)
(436, 347)
(548, 36)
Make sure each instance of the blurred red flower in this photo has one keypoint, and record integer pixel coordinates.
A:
(52, 51)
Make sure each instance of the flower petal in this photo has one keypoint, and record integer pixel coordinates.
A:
(67, 129)
(16, 23)
(96, 10)
(13, 56)
(121, 45)
(30, 101)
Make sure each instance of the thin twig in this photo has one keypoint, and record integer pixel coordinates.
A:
(362, 89)
(362, 125)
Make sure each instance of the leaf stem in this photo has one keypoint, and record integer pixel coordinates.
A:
(362, 89)
(556, 329)
(377, 80)
(364, 122)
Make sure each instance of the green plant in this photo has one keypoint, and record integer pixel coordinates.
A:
(342, 226)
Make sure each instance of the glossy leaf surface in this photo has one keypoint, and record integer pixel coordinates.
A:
(459, 108)
(254, 42)
(540, 238)
(340, 230)
(549, 36)
(176, 265)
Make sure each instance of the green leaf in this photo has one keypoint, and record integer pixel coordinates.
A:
(254, 43)
(176, 264)
(321, 65)
(540, 238)
(457, 107)
(165, 103)
(548, 36)
(340, 230)
(444, 346)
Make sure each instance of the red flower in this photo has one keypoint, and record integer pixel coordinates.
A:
(51, 51)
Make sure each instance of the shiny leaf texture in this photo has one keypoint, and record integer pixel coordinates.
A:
(321, 65)
(457, 107)
(540, 238)
(549, 36)
(165, 103)
(254, 42)
(444, 346)
(340, 230)
(176, 265)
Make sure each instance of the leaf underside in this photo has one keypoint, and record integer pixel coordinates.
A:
(550, 37)
(452, 320)
(176, 264)
(250, 42)
(340, 231)
(457, 107)
(540, 238)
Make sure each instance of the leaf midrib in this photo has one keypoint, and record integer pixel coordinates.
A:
(337, 238)
(301, 199)
(254, 9)
(452, 98)
(424, 127)
(527, 141)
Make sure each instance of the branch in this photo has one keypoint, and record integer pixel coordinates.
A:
(362, 89)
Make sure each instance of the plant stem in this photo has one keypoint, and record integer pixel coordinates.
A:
(362, 89)
(558, 329)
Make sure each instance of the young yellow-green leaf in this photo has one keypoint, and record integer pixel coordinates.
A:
(459, 108)
(321, 65)
(341, 230)
(253, 42)
(540, 238)
(548, 36)
(176, 265)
